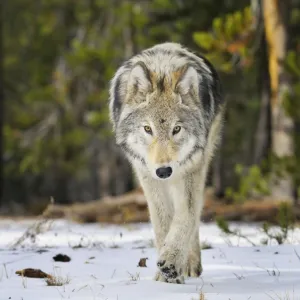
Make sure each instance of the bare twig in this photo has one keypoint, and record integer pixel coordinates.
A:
(37, 228)
(297, 254)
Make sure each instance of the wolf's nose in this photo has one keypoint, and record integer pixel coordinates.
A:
(164, 172)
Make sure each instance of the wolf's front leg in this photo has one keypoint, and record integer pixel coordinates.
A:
(161, 213)
(160, 208)
(174, 254)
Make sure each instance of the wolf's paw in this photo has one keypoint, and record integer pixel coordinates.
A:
(193, 270)
(160, 277)
(170, 267)
(178, 280)
(194, 266)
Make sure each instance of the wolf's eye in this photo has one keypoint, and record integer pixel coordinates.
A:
(176, 129)
(148, 129)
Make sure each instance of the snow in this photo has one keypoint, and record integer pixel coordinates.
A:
(104, 261)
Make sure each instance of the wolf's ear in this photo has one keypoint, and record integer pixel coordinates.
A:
(139, 81)
(127, 83)
(186, 79)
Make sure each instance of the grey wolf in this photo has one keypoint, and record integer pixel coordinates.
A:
(167, 108)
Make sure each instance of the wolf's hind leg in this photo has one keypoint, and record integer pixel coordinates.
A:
(194, 266)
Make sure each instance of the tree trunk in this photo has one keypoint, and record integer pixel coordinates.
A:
(218, 180)
(262, 135)
(1, 104)
(275, 18)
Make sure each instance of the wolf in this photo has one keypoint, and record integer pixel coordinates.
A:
(167, 109)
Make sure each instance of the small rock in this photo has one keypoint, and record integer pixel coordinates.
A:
(62, 258)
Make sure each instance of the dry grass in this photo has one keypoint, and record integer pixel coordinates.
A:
(57, 280)
(201, 297)
(134, 277)
(285, 296)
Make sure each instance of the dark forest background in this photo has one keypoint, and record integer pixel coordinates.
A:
(56, 60)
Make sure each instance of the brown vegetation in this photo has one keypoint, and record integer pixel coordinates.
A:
(33, 273)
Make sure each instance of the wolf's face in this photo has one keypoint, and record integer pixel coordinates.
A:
(161, 114)
(163, 134)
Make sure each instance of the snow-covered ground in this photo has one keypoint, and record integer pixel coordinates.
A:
(104, 261)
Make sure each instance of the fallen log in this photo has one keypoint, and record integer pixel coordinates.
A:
(132, 208)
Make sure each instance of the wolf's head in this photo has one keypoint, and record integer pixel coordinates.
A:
(162, 104)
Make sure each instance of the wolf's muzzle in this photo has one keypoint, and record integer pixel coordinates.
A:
(164, 172)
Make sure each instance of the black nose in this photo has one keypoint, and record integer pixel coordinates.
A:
(164, 172)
